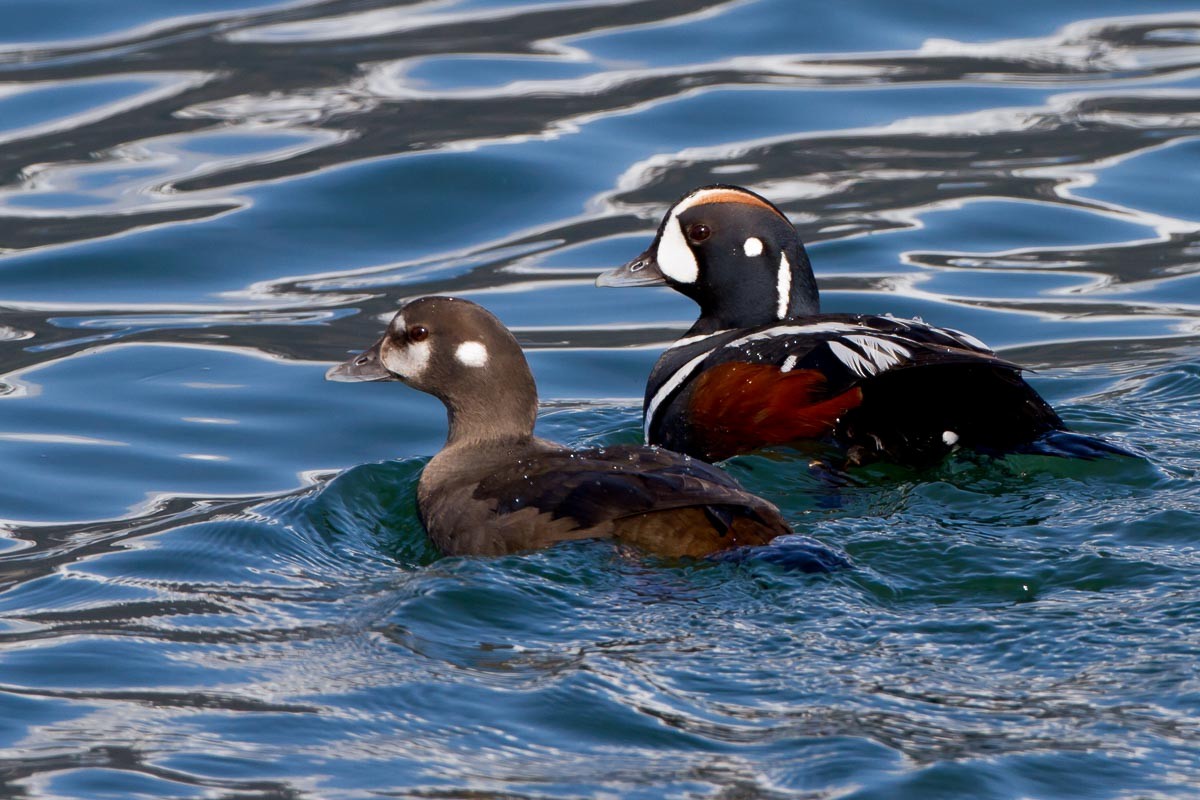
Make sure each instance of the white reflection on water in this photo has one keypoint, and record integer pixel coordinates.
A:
(137, 177)
(60, 438)
(384, 21)
(150, 88)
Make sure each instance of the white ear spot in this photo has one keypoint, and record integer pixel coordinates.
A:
(950, 438)
(752, 247)
(675, 259)
(472, 354)
(783, 284)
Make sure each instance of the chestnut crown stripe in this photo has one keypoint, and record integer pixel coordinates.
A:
(721, 195)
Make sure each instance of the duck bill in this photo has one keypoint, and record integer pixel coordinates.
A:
(642, 271)
(366, 366)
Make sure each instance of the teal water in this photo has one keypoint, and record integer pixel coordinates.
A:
(212, 580)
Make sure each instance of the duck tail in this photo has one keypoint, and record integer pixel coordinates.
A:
(793, 553)
(1069, 444)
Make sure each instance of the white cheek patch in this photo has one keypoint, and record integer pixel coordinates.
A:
(752, 247)
(472, 354)
(407, 362)
(675, 259)
(783, 284)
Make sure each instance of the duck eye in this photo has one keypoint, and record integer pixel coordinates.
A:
(418, 333)
(698, 232)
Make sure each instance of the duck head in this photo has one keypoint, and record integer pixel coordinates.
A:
(460, 353)
(732, 252)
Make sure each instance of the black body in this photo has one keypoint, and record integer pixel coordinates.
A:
(762, 366)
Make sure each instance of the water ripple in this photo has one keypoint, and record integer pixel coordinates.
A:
(212, 578)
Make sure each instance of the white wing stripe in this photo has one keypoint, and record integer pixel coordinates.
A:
(681, 375)
(859, 365)
(883, 353)
(878, 353)
(795, 330)
(685, 341)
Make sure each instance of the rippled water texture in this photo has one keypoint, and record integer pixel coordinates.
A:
(212, 581)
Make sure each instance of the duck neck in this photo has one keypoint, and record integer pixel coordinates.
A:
(492, 414)
(786, 291)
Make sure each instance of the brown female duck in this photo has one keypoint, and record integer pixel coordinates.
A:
(496, 488)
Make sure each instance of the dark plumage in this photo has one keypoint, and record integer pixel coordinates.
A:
(762, 366)
(495, 488)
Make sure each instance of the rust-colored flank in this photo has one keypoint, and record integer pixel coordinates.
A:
(739, 404)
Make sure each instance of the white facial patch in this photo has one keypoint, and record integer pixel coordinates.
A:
(950, 438)
(783, 284)
(472, 354)
(675, 259)
(408, 361)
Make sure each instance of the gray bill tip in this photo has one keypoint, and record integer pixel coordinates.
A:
(366, 366)
(642, 271)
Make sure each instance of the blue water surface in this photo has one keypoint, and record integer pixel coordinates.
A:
(213, 582)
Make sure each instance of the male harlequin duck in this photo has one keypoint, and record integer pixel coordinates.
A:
(763, 367)
(495, 488)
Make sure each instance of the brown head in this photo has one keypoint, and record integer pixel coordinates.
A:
(458, 352)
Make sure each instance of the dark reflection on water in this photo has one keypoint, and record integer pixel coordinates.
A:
(212, 579)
